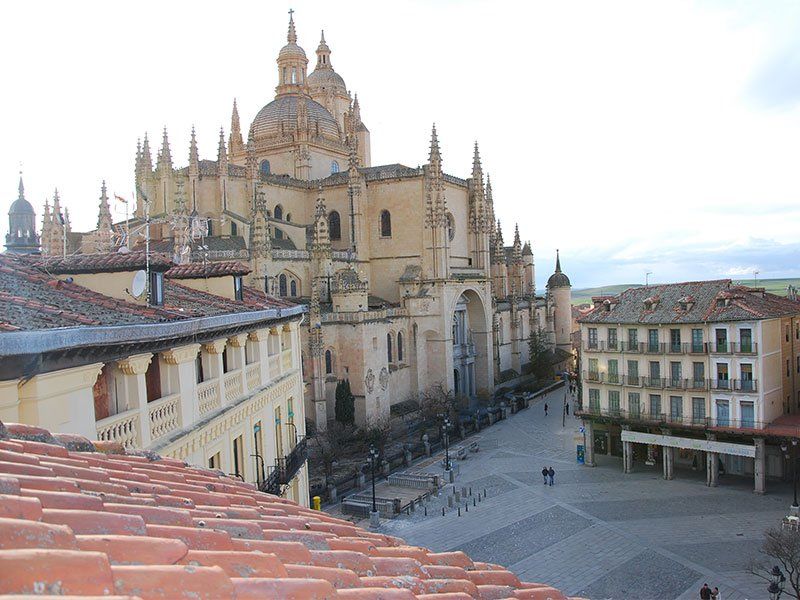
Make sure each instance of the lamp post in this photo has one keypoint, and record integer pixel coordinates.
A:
(448, 472)
(795, 508)
(776, 584)
(374, 517)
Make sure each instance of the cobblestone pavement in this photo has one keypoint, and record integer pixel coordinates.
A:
(597, 532)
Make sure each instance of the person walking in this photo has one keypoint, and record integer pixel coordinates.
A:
(551, 473)
(705, 592)
(715, 595)
(566, 407)
(544, 474)
(545, 409)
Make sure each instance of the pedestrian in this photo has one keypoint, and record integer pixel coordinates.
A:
(545, 409)
(566, 407)
(715, 595)
(705, 592)
(551, 473)
(544, 474)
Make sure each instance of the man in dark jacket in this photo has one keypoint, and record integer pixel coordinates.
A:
(551, 473)
(544, 474)
(705, 592)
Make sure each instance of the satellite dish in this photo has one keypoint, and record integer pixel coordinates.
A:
(124, 250)
(139, 283)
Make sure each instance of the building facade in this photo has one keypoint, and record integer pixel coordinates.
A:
(404, 270)
(186, 362)
(697, 372)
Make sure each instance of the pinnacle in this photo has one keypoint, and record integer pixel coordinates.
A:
(291, 37)
(21, 187)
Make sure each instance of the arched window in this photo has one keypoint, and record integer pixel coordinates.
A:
(288, 217)
(451, 227)
(334, 167)
(328, 362)
(389, 346)
(335, 225)
(294, 74)
(399, 346)
(208, 228)
(234, 229)
(282, 285)
(279, 212)
(386, 224)
(265, 168)
(293, 288)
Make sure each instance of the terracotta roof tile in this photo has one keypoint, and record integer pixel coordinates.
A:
(90, 524)
(98, 263)
(208, 269)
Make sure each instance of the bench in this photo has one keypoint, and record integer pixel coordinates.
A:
(473, 446)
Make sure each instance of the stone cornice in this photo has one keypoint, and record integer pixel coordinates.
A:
(136, 364)
(61, 382)
(183, 354)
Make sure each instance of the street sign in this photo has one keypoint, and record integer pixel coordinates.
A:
(582, 429)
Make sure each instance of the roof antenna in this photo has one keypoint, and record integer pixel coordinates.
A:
(647, 278)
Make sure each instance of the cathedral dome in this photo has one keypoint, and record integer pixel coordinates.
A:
(292, 51)
(21, 206)
(279, 118)
(320, 79)
(558, 279)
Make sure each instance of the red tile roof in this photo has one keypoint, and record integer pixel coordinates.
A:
(99, 263)
(209, 269)
(86, 519)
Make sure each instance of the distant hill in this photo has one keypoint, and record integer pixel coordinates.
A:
(584, 295)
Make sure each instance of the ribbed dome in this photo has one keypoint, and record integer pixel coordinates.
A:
(279, 117)
(325, 78)
(20, 206)
(558, 280)
(292, 50)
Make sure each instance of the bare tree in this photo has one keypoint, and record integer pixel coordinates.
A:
(331, 444)
(378, 432)
(438, 400)
(784, 547)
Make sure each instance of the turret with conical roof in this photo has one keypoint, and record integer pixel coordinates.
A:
(21, 237)
(559, 290)
(292, 64)
(530, 273)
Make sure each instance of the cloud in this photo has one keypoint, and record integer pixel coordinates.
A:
(775, 84)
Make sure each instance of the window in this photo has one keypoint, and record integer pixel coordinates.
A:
(238, 457)
(675, 374)
(234, 228)
(633, 339)
(722, 340)
(674, 340)
(451, 227)
(335, 226)
(225, 360)
(745, 340)
(698, 375)
(400, 346)
(386, 224)
(675, 408)
(592, 337)
(697, 340)
(787, 333)
(722, 375)
(288, 217)
(293, 288)
(389, 347)
(698, 410)
(282, 290)
(655, 405)
(152, 379)
(156, 288)
(278, 212)
(334, 167)
(634, 406)
(748, 414)
(209, 231)
(594, 400)
(294, 74)
(264, 168)
(613, 402)
(258, 446)
(198, 368)
(328, 362)
(613, 371)
(612, 338)
(633, 372)
(652, 340)
(746, 376)
(655, 372)
(214, 461)
(593, 374)
(723, 413)
(237, 288)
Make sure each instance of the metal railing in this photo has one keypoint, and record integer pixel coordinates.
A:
(694, 421)
(689, 384)
(286, 467)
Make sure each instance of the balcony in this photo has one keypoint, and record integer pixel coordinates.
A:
(208, 396)
(285, 469)
(654, 382)
(593, 376)
(122, 428)
(747, 348)
(695, 421)
(164, 416)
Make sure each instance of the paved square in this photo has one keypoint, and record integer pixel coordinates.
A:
(598, 533)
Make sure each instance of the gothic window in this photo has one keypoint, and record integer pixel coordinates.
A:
(293, 288)
(389, 347)
(234, 229)
(294, 74)
(335, 225)
(265, 167)
(386, 223)
(208, 228)
(288, 217)
(279, 212)
(399, 345)
(282, 285)
(238, 290)
(328, 362)
(451, 227)
(334, 167)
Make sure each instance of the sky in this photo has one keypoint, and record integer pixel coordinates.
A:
(636, 137)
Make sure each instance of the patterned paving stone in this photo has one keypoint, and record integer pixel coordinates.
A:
(734, 555)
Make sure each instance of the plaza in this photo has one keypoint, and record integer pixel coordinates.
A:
(597, 532)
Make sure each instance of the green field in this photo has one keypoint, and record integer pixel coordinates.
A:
(584, 295)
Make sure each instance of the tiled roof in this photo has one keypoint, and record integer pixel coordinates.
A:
(32, 299)
(691, 302)
(88, 519)
(209, 269)
(106, 262)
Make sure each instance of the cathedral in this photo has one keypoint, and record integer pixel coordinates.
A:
(404, 270)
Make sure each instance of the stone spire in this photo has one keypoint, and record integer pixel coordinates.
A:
(356, 111)
(434, 197)
(558, 262)
(147, 159)
(105, 232)
(489, 199)
(251, 161)
(323, 54)
(194, 155)
(321, 240)
(21, 237)
(235, 143)
(478, 214)
(222, 153)
(499, 253)
(164, 154)
(516, 256)
(181, 239)
(291, 36)
(259, 234)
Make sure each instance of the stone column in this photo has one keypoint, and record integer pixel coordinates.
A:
(669, 464)
(759, 466)
(260, 337)
(181, 361)
(588, 449)
(237, 342)
(214, 352)
(275, 345)
(712, 465)
(134, 387)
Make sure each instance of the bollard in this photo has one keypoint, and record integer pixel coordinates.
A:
(470, 490)
(426, 510)
(443, 511)
(459, 511)
(317, 503)
(479, 497)
(484, 492)
(474, 502)
(466, 506)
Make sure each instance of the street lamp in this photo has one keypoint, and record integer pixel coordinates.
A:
(446, 438)
(795, 509)
(776, 584)
(374, 519)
